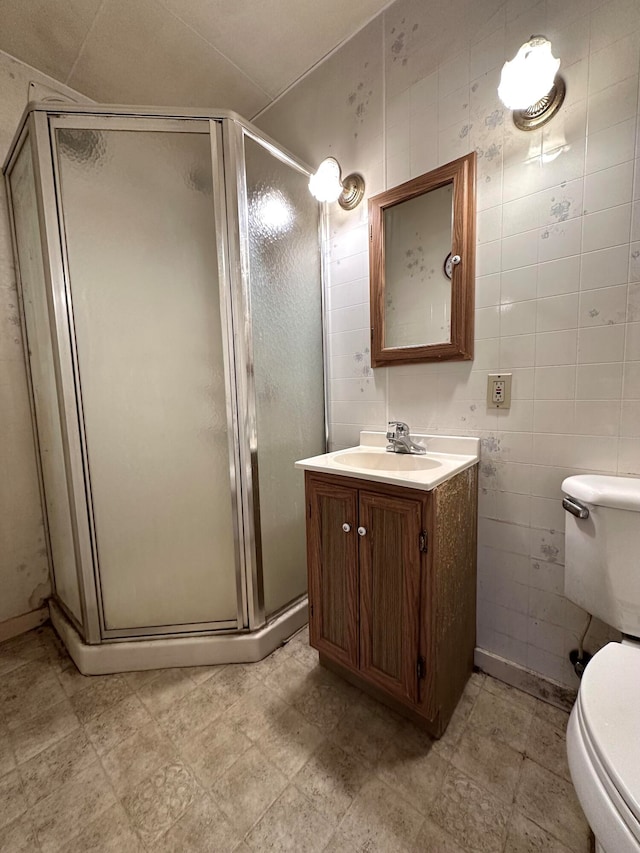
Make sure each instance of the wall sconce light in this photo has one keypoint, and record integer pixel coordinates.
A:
(327, 185)
(531, 86)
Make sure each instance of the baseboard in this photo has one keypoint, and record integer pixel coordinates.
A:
(21, 624)
(525, 679)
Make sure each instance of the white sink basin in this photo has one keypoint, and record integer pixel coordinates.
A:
(445, 457)
(374, 460)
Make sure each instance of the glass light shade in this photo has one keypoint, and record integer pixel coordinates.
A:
(529, 76)
(326, 184)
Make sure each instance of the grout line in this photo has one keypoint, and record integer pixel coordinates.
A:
(216, 49)
(84, 42)
(319, 62)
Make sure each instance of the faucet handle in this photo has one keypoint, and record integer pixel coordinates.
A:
(395, 429)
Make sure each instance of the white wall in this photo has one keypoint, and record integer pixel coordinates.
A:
(24, 580)
(558, 266)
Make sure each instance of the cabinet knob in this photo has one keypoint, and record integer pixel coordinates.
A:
(362, 531)
(346, 527)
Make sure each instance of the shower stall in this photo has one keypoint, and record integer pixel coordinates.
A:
(169, 271)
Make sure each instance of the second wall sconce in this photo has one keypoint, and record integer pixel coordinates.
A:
(327, 185)
(531, 86)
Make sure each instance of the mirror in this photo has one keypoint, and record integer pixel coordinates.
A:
(422, 267)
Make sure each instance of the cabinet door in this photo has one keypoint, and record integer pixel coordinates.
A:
(333, 571)
(390, 562)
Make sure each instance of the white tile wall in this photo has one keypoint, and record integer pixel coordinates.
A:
(557, 290)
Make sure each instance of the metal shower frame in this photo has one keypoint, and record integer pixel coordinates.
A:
(227, 131)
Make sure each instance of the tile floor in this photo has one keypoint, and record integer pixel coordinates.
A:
(278, 755)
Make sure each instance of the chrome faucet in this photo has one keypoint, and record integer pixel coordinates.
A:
(398, 435)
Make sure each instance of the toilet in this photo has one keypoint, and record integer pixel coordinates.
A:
(602, 575)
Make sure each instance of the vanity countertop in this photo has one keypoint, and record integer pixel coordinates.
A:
(445, 457)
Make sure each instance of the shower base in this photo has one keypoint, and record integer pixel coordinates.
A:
(165, 653)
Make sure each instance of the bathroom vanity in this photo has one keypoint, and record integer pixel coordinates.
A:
(391, 556)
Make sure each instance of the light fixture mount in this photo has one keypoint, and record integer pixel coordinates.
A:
(542, 111)
(352, 191)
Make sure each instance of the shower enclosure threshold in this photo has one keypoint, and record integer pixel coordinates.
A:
(165, 653)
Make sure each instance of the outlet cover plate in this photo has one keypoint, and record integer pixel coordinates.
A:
(499, 390)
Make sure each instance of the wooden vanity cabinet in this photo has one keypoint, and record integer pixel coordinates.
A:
(392, 588)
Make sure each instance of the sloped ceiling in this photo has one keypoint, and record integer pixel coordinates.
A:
(236, 54)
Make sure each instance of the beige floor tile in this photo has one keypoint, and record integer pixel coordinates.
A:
(26, 690)
(103, 693)
(178, 746)
(288, 679)
(156, 803)
(433, 839)
(501, 719)
(234, 682)
(214, 750)
(321, 701)
(362, 732)
(415, 774)
(117, 723)
(139, 678)
(73, 681)
(255, 712)
(380, 820)
(263, 668)
(137, 757)
(551, 802)
(189, 715)
(56, 765)
(110, 832)
(331, 779)
(341, 843)
(200, 674)
(490, 763)
(291, 824)
(19, 837)
(7, 759)
(203, 828)
(524, 836)
(447, 744)
(66, 812)
(547, 745)
(57, 655)
(248, 788)
(304, 654)
(470, 814)
(21, 650)
(35, 734)
(160, 693)
(13, 802)
(506, 691)
(550, 714)
(289, 741)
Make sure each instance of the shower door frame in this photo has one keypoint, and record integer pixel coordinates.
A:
(227, 131)
(96, 629)
(235, 132)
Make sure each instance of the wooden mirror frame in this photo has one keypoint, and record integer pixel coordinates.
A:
(462, 174)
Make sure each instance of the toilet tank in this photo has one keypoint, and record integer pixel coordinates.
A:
(602, 562)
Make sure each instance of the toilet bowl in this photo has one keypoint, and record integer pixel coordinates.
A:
(603, 747)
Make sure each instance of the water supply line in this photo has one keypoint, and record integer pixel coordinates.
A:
(578, 657)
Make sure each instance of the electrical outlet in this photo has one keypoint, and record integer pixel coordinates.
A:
(499, 390)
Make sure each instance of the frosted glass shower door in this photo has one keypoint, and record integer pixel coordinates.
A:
(285, 296)
(137, 207)
(43, 380)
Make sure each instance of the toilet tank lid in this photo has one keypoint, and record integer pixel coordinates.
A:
(603, 490)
